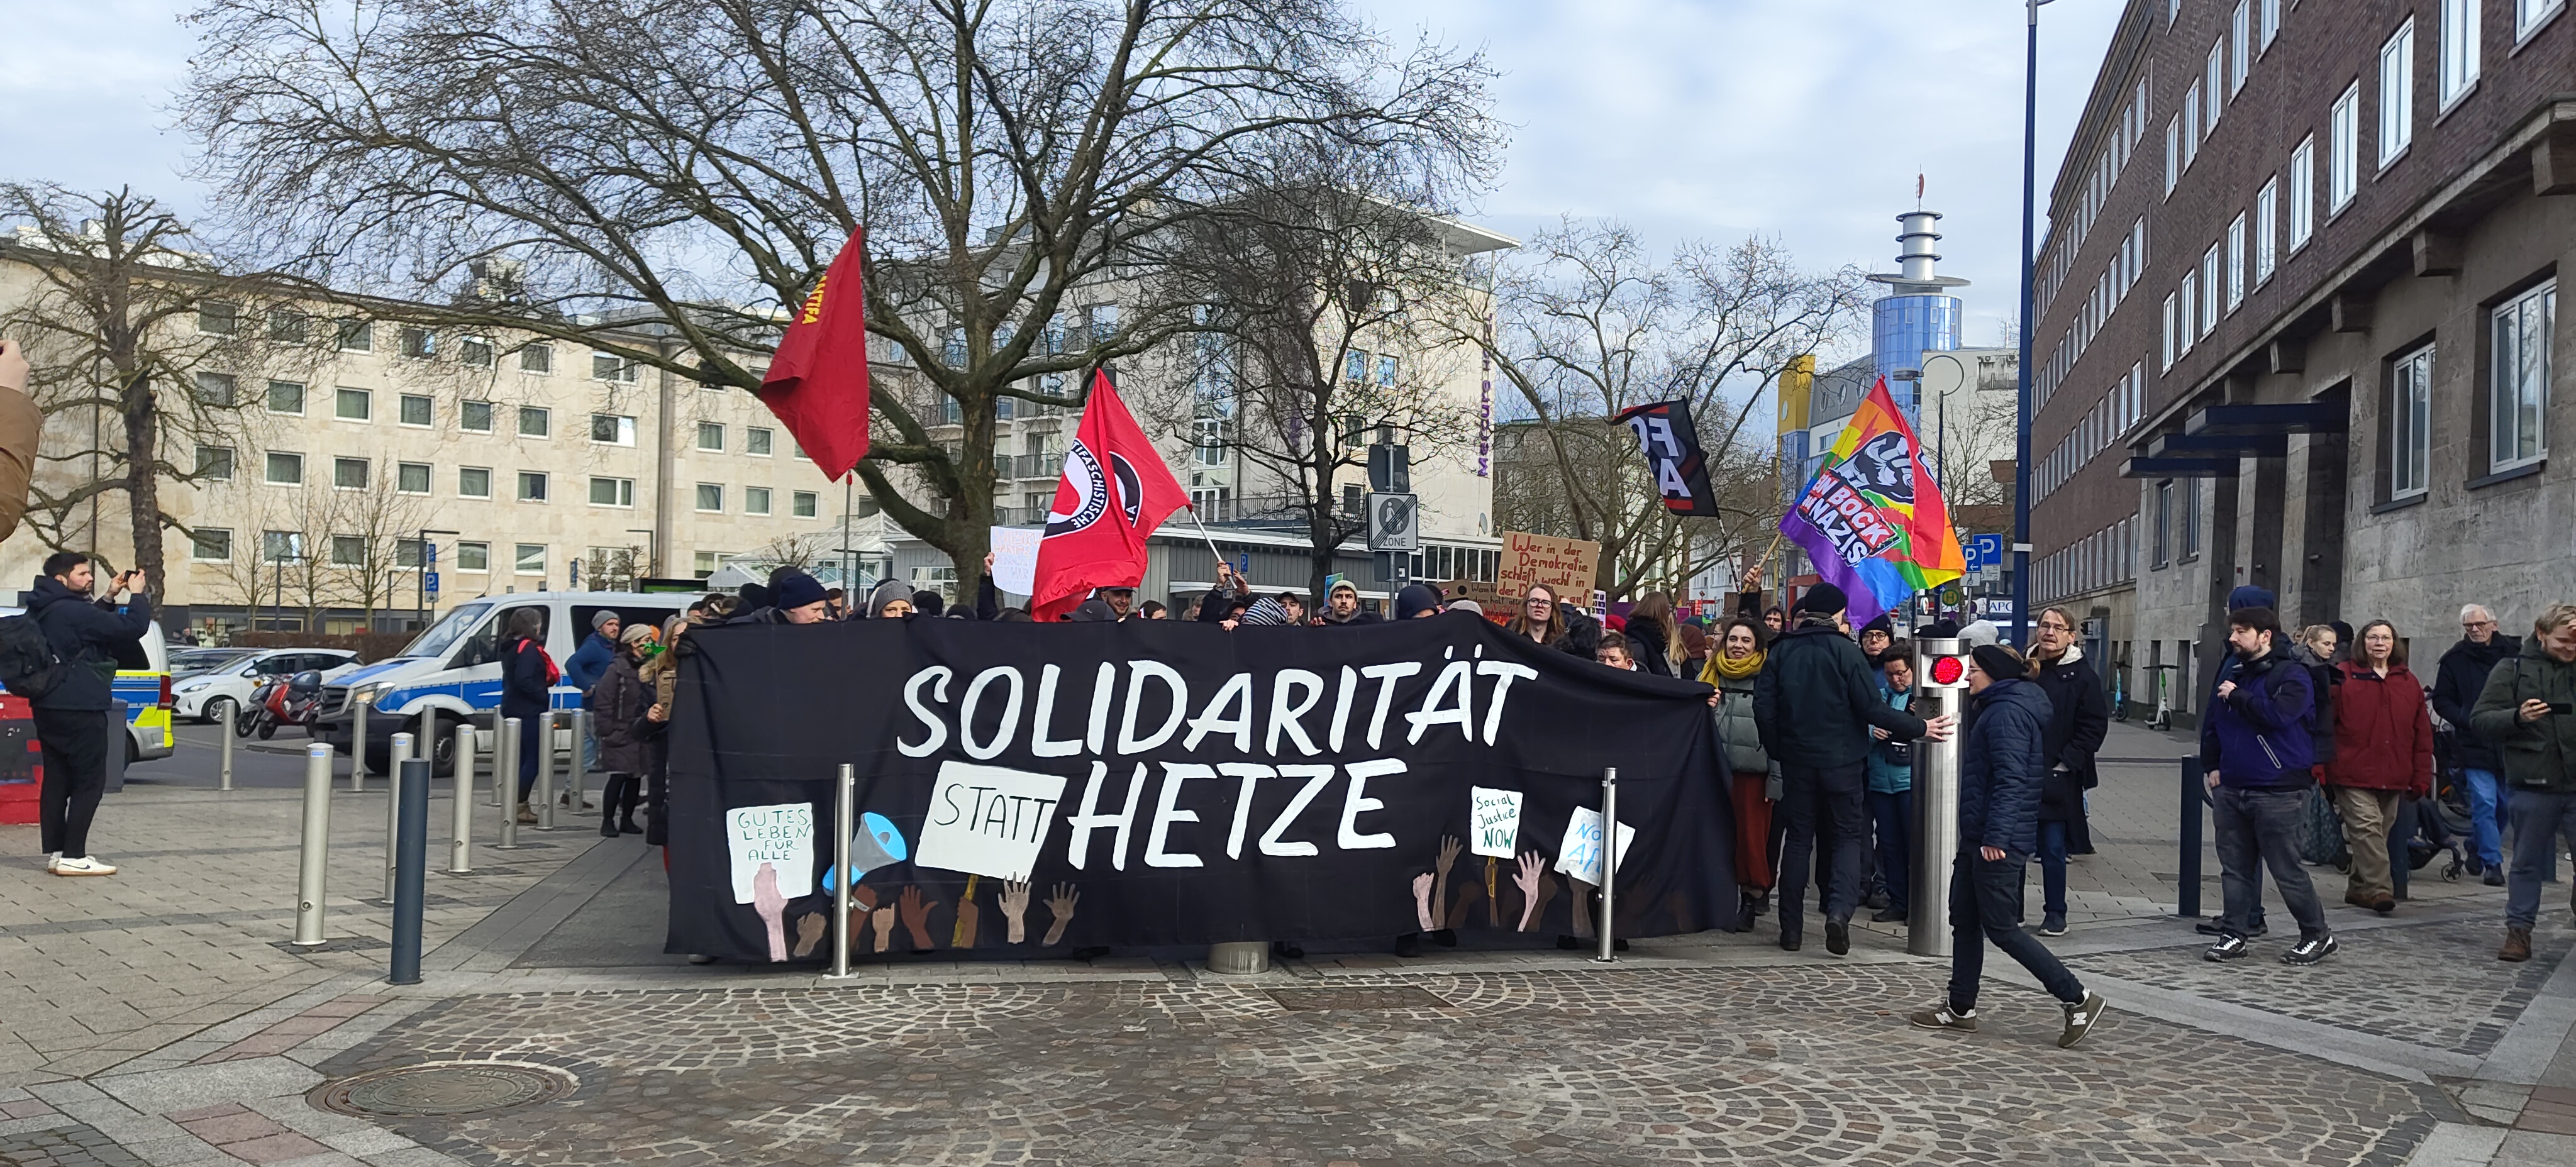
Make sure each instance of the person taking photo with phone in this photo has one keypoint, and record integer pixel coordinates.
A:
(2528, 713)
(71, 713)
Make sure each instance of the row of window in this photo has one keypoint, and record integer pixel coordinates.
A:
(2098, 430)
(2128, 265)
(215, 545)
(2517, 387)
(531, 421)
(286, 468)
(354, 335)
(2105, 558)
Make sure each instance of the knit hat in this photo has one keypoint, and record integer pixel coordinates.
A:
(2249, 596)
(927, 603)
(882, 595)
(1415, 600)
(1999, 662)
(1824, 599)
(1466, 606)
(1882, 624)
(1265, 611)
(796, 589)
(636, 634)
(599, 619)
(1340, 584)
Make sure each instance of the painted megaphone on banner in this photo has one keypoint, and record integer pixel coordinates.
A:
(877, 844)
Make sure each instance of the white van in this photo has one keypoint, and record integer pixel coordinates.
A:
(455, 668)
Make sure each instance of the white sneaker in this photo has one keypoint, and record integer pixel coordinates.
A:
(51, 858)
(88, 865)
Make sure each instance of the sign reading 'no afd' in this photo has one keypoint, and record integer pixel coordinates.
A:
(1029, 786)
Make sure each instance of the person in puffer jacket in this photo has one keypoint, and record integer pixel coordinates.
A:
(1733, 668)
(2001, 759)
(2254, 742)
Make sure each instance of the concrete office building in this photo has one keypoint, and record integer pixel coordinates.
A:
(2297, 324)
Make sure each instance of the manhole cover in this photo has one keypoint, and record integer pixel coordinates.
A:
(443, 1088)
(1404, 997)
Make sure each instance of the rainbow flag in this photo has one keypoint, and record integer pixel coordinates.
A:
(1873, 520)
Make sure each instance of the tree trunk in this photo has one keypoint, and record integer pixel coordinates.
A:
(143, 476)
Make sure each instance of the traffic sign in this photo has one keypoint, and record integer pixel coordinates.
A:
(429, 582)
(1990, 550)
(1394, 522)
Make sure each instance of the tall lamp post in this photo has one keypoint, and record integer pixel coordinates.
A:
(2021, 435)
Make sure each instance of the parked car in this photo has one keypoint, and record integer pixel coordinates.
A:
(205, 679)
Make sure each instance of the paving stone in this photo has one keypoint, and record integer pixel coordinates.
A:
(65, 1146)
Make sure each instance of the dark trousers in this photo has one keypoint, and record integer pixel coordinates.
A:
(75, 743)
(2258, 829)
(1824, 811)
(657, 802)
(618, 800)
(2052, 866)
(1985, 905)
(1892, 815)
(534, 736)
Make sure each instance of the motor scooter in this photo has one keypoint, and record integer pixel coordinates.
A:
(280, 701)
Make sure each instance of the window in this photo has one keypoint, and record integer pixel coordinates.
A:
(418, 343)
(2529, 15)
(2240, 45)
(2172, 336)
(218, 318)
(2397, 93)
(799, 449)
(711, 436)
(2267, 218)
(1355, 366)
(2236, 263)
(612, 492)
(357, 336)
(537, 358)
(2191, 125)
(2271, 21)
(211, 545)
(2190, 518)
(407, 553)
(706, 563)
(286, 326)
(2209, 289)
(2213, 84)
(475, 416)
(473, 556)
(2410, 418)
(755, 500)
(531, 559)
(475, 351)
(215, 389)
(2520, 359)
(1211, 441)
(285, 469)
(756, 441)
(612, 429)
(535, 422)
(215, 463)
(710, 496)
(532, 486)
(415, 409)
(474, 482)
(611, 367)
(2343, 150)
(2173, 152)
(349, 473)
(285, 397)
(348, 551)
(2459, 66)
(2190, 307)
(281, 546)
(1386, 370)
(806, 504)
(2303, 192)
(411, 477)
(353, 405)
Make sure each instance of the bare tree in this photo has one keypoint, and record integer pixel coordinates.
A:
(279, 562)
(374, 538)
(1004, 158)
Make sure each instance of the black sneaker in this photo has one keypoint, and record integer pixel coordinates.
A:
(2312, 949)
(1409, 944)
(2079, 1020)
(2217, 926)
(1837, 937)
(1890, 916)
(2053, 924)
(2229, 947)
(2495, 877)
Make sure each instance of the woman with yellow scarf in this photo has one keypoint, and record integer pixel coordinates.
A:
(1733, 669)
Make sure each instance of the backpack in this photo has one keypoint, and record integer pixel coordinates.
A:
(28, 665)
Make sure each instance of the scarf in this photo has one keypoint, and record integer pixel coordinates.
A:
(1719, 665)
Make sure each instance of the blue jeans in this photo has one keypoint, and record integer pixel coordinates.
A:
(2538, 816)
(1985, 905)
(1892, 816)
(2486, 816)
(2052, 867)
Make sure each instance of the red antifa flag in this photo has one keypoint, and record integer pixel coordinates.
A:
(818, 381)
(1115, 492)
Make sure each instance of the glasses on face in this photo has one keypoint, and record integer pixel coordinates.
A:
(1538, 603)
(2045, 626)
(2474, 625)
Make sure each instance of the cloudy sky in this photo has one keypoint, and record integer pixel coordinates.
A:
(1709, 119)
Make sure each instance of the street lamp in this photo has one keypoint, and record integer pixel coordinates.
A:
(2021, 435)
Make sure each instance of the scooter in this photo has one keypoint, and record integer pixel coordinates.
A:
(291, 700)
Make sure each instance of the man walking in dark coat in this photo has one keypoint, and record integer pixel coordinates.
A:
(2255, 744)
(2000, 768)
(2462, 676)
(72, 718)
(1814, 703)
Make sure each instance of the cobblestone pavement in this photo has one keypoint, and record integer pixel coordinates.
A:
(1781, 1065)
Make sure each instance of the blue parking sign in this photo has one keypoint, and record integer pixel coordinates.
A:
(429, 582)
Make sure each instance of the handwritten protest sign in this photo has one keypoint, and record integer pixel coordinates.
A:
(1015, 559)
(781, 836)
(1566, 565)
(1494, 817)
(1580, 855)
(988, 820)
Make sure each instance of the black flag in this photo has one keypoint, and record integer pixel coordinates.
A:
(1671, 443)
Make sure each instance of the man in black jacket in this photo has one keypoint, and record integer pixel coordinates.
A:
(1814, 704)
(2455, 691)
(72, 719)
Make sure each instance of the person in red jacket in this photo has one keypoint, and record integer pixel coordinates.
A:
(2383, 755)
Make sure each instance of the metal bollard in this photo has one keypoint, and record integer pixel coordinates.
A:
(396, 753)
(410, 777)
(312, 880)
(1241, 958)
(545, 748)
(844, 820)
(358, 747)
(224, 729)
(460, 846)
(577, 760)
(1609, 864)
(2195, 796)
(505, 780)
(496, 765)
(1936, 803)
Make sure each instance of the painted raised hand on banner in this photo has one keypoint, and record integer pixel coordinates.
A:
(863, 906)
(963, 936)
(1531, 874)
(809, 932)
(916, 916)
(1582, 904)
(883, 919)
(1015, 910)
(1449, 848)
(1422, 902)
(1061, 904)
(772, 908)
(1467, 896)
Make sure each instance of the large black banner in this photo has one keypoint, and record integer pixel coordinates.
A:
(1024, 787)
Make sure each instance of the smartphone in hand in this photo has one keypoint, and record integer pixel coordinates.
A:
(2562, 708)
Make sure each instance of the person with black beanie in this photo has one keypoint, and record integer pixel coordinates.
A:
(1814, 704)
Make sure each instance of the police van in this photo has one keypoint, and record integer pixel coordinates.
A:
(454, 669)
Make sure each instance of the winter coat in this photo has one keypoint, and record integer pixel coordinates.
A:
(1817, 698)
(2324, 677)
(1737, 728)
(617, 705)
(2257, 736)
(1891, 762)
(2456, 685)
(2079, 718)
(21, 423)
(1651, 647)
(583, 668)
(86, 636)
(1359, 616)
(2537, 755)
(528, 676)
(2383, 732)
(2000, 764)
